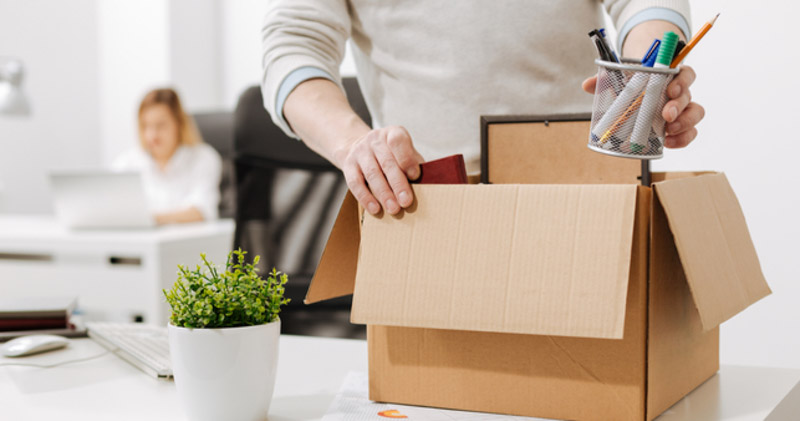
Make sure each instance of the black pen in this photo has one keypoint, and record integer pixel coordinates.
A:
(602, 47)
(609, 48)
(616, 77)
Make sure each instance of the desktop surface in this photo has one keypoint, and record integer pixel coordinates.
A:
(310, 373)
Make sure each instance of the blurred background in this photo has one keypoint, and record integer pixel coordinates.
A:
(88, 63)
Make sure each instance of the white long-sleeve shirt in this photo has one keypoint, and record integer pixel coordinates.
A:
(190, 179)
(436, 66)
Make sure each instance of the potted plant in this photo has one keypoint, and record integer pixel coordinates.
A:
(223, 338)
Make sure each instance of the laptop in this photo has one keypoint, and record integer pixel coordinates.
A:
(100, 199)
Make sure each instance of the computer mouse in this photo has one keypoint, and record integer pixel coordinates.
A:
(32, 344)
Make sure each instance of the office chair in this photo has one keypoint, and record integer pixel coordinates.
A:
(287, 199)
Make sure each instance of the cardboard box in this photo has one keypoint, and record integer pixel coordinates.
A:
(568, 301)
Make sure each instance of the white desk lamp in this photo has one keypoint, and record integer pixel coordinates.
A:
(12, 98)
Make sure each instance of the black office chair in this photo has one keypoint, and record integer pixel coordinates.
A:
(287, 199)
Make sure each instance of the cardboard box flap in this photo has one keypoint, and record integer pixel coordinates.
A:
(336, 271)
(714, 246)
(532, 259)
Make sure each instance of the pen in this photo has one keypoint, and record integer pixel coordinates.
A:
(652, 93)
(606, 54)
(658, 127)
(679, 47)
(619, 129)
(602, 47)
(693, 42)
(610, 49)
(625, 102)
(626, 117)
(649, 58)
(607, 126)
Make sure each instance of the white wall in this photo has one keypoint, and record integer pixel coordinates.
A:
(195, 62)
(56, 41)
(145, 44)
(133, 37)
(747, 81)
(241, 51)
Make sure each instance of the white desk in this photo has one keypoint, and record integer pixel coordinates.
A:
(310, 373)
(116, 274)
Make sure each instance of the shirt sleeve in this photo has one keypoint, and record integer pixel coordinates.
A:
(301, 40)
(206, 174)
(626, 14)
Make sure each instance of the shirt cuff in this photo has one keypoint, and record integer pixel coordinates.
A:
(653, 13)
(291, 81)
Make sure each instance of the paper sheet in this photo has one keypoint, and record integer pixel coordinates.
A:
(352, 404)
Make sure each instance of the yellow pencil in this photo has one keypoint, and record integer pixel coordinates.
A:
(695, 39)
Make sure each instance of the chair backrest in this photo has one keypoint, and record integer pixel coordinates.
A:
(217, 130)
(287, 195)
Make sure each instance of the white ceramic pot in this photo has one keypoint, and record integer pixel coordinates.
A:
(225, 374)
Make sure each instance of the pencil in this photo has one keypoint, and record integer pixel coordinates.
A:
(695, 39)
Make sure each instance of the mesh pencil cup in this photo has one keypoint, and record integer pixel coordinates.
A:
(626, 113)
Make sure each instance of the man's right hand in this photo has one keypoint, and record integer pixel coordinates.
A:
(377, 163)
(377, 167)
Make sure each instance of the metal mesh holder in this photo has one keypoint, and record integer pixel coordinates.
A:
(626, 114)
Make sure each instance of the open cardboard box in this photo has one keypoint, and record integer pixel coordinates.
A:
(568, 301)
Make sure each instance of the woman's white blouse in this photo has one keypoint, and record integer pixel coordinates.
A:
(190, 178)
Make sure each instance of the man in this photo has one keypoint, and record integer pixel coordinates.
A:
(429, 69)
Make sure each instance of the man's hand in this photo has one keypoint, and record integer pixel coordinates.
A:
(377, 167)
(680, 113)
(377, 164)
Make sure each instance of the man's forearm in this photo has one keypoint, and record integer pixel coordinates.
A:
(319, 113)
(641, 37)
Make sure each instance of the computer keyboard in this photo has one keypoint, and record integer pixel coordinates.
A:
(144, 346)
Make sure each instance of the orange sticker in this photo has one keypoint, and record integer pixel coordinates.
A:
(391, 413)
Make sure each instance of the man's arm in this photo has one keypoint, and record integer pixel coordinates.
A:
(639, 22)
(680, 113)
(376, 163)
(641, 37)
(303, 44)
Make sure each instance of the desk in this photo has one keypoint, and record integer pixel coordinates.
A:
(310, 373)
(116, 274)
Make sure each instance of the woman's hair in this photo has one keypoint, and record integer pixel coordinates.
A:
(187, 130)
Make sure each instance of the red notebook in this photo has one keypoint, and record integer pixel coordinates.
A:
(449, 170)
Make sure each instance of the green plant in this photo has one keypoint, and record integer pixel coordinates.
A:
(237, 296)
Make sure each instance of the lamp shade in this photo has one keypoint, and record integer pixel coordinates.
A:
(13, 100)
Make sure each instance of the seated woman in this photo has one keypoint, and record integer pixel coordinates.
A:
(181, 174)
